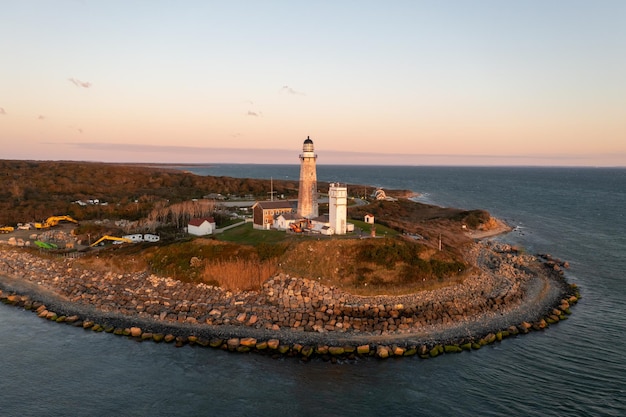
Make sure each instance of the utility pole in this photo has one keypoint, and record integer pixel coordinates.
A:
(271, 193)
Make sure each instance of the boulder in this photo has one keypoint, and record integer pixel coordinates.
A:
(398, 350)
(307, 351)
(216, 342)
(410, 351)
(233, 343)
(349, 349)
(363, 349)
(452, 349)
(13, 299)
(135, 331)
(202, 342)
(321, 349)
(382, 352)
(489, 339)
(336, 350)
(249, 342)
(466, 346)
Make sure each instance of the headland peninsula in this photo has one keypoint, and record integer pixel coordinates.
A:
(420, 280)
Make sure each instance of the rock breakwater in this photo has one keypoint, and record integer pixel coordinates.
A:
(509, 293)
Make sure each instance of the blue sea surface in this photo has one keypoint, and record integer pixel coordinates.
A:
(575, 368)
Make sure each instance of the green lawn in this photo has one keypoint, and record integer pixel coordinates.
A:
(246, 234)
(367, 228)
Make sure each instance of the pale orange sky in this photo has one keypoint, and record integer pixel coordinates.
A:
(459, 83)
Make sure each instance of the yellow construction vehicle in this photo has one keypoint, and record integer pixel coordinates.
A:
(6, 229)
(113, 239)
(53, 221)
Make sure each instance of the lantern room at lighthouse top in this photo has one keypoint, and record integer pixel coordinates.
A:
(307, 149)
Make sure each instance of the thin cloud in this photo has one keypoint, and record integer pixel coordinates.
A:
(253, 113)
(79, 83)
(291, 91)
(2, 111)
(41, 117)
(141, 148)
(181, 154)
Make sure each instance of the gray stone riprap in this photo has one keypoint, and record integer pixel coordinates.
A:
(507, 289)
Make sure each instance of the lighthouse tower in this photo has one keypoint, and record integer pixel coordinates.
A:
(307, 193)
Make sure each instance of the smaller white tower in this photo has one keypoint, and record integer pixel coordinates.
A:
(338, 207)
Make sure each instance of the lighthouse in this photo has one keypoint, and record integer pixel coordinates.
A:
(307, 193)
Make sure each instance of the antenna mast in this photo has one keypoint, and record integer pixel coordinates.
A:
(271, 193)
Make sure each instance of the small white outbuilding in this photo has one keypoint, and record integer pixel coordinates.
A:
(201, 226)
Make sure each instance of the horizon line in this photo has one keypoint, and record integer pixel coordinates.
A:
(399, 165)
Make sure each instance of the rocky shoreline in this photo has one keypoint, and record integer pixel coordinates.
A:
(509, 293)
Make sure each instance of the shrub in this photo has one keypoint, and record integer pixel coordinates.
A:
(388, 252)
(421, 270)
(239, 274)
(267, 251)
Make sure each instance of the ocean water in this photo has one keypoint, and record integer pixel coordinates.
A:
(575, 368)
